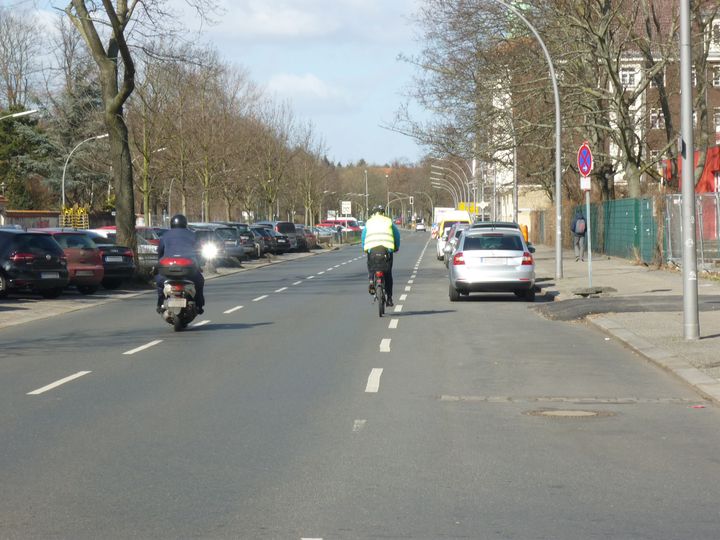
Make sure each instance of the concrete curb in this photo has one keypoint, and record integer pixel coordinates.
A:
(704, 384)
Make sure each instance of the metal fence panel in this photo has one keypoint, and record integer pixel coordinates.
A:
(707, 216)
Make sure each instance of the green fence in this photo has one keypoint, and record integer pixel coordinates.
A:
(624, 228)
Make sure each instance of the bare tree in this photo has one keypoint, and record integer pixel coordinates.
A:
(20, 46)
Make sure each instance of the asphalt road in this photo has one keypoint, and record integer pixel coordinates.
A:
(302, 414)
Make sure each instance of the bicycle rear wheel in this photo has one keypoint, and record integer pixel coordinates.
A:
(380, 299)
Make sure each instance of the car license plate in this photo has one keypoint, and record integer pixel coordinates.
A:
(85, 273)
(494, 260)
(177, 302)
(49, 275)
(113, 258)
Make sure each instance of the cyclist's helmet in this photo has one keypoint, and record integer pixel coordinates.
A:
(178, 221)
(379, 209)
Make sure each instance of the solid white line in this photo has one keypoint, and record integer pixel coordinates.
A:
(385, 345)
(403, 297)
(373, 383)
(143, 347)
(200, 323)
(297, 282)
(281, 289)
(263, 297)
(408, 287)
(232, 310)
(310, 277)
(398, 308)
(358, 425)
(58, 383)
(393, 323)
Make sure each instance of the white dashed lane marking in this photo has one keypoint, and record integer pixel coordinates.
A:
(281, 289)
(58, 383)
(297, 282)
(263, 297)
(321, 273)
(358, 425)
(410, 281)
(408, 288)
(398, 308)
(393, 323)
(310, 277)
(385, 345)
(403, 297)
(373, 383)
(232, 310)
(200, 323)
(143, 347)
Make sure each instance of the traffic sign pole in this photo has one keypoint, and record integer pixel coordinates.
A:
(585, 166)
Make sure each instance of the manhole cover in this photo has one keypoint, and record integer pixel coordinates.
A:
(569, 413)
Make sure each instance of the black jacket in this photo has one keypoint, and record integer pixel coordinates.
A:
(180, 242)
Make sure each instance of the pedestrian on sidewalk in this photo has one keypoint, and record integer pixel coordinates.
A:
(578, 227)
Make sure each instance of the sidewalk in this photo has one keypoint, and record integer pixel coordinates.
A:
(640, 306)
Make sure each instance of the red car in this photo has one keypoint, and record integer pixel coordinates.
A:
(84, 259)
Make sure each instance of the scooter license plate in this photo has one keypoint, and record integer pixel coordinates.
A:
(177, 302)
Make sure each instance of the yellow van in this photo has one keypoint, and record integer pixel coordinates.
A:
(448, 220)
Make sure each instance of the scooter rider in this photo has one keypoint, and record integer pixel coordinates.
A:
(380, 233)
(179, 241)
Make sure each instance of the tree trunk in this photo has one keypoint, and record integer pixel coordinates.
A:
(122, 178)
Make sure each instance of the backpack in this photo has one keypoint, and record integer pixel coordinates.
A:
(580, 226)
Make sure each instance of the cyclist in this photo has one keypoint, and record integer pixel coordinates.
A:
(180, 241)
(380, 235)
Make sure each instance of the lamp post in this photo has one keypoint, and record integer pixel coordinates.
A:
(19, 114)
(367, 210)
(463, 187)
(446, 187)
(103, 136)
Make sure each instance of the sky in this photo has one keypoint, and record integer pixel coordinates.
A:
(335, 61)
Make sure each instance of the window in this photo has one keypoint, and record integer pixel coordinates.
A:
(627, 77)
(716, 34)
(694, 77)
(716, 76)
(654, 156)
(716, 119)
(657, 120)
(494, 241)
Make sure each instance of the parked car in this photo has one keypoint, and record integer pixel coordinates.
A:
(151, 234)
(31, 261)
(228, 236)
(420, 227)
(283, 227)
(452, 241)
(118, 261)
(84, 258)
(264, 241)
(492, 260)
(440, 243)
(302, 240)
(246, 237)
(311, 238)
(324, 235)
(282, 242)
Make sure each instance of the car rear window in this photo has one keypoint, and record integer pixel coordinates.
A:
(74, 241)
(37, 244)
(493, 241)
(227, 233)
(285, 227)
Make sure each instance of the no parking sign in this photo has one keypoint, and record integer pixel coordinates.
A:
(585, 165)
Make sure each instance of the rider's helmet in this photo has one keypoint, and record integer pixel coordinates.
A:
(379, 209)
(178, 221)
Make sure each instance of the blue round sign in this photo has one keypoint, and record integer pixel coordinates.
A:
(585, 160)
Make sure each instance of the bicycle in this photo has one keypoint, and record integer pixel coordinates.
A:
(380, 296)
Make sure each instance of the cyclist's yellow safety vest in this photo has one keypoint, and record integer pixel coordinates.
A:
(378, 232)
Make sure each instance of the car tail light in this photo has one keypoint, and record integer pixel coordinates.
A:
(129, 253)
(22, 257)
(527, 258)
(458, 259)
(154, 241)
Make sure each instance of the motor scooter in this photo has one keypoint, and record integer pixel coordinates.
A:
(179, 308)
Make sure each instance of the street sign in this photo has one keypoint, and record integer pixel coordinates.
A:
(584, 159)
(585, 184)
(346, 208)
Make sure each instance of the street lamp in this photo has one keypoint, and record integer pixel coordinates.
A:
(103, 136)
(18, 114)
(456, 180)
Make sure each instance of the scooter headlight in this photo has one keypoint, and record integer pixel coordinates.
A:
(209, 251)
